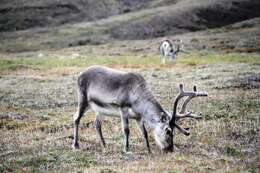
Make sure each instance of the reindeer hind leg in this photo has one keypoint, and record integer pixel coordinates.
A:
(82, 105)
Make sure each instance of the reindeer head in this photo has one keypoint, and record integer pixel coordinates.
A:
(163, 133)
(167, 128)
(178, 48)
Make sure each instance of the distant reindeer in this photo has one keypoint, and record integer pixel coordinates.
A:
(125, 95)
(167, 50)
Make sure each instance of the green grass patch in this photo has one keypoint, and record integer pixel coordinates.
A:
(175, 171)
(47, 62)
(198, 59)
(124, 61)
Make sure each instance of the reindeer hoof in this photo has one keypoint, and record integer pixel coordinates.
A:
(103, 144)
(128, 152)
(75, 146)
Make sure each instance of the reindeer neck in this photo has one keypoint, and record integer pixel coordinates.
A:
(153, 114)
(149, 109)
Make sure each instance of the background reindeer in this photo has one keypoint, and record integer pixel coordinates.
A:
(121, 94)
(167, 49)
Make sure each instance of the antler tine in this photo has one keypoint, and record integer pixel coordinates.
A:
(182, 130)
(181, 88)
(174, 116)
(178, 49)
(181, 47)
(182, 114)
(175, 104)
(179, 96)
(195, 88)
(189, 115)
(191, 95)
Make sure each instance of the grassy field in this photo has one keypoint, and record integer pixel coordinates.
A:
(49, 60)
(38, 99)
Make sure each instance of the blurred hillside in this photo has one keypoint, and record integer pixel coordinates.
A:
(40, 24)
(24, 14)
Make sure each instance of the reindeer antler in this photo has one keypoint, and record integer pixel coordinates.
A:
(180, 47)
(183, 114)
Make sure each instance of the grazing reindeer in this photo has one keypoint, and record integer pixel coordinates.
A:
(166, 50)
(121, 94)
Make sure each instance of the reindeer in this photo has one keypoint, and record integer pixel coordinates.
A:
(125, 95)
(166, 50)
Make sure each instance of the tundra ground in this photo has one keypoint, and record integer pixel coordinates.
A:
(38, 100)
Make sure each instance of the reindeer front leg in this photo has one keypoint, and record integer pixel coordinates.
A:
(125, 126)
(141, 126)
(174, 56)
(99, 130)
(161, 59)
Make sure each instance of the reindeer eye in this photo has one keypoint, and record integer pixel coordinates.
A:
(163, 119)
(155, 121)
(168, 131)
